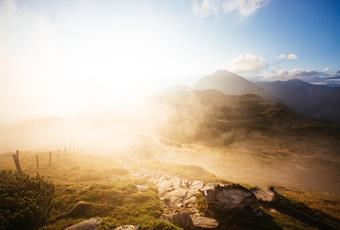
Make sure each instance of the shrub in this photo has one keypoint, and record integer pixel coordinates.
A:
(25, 202)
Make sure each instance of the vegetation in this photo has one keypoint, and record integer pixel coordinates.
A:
(87, 186)
(25, 202)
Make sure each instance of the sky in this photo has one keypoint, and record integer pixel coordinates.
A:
(63, 57)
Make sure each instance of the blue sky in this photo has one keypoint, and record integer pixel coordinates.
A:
(309, 29)
(124, 49)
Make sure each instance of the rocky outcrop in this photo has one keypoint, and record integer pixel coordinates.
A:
(182, 220)
(225, 198)
(264, 194)
(90, 224)
(202, 222)
(193, 204)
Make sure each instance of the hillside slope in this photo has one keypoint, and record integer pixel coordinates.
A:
(208, 115)
(313, 101)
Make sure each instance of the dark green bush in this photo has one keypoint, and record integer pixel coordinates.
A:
(25, 202)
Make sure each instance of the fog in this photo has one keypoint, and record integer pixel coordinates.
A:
(179, 127)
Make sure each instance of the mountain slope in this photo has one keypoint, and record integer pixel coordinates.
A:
(257, 140)
(206, 116)
(313, 101)
(232, 84)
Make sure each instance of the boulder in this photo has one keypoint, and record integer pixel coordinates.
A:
(182, 220)
(164, 186)
(222, 198)
(175, 195)
(186, 183)
(196, 185)
(205, 222)
(176, 183)
(264, 194)
(189, 202)
(90, 224)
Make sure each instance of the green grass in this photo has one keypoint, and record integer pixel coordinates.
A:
(288, 223)
(109, 192)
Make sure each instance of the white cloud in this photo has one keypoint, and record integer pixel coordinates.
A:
(281, 56)
(326, 69)
(305, 75)
(242, 7)
(206, 7)
(289, 57)
(247, 64)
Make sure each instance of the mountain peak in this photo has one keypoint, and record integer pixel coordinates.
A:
(297, 81)
(230, 83)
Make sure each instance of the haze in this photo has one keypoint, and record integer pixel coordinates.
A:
(62, 58)
(102, 76)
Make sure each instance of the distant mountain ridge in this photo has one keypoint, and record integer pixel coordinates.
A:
(315, 101)
(310, 100)
(231, 84)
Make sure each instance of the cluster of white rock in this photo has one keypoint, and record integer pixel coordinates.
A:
(179, 199)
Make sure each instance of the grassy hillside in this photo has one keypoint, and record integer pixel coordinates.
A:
(211, 117)
(107, 190)
(102, 188)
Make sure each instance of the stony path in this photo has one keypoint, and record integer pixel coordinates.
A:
(179, 196)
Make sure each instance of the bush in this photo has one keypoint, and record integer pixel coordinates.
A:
(25, 202)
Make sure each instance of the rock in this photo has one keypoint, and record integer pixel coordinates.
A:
(264, 194)
(182, 220)
(126, 227)
(176, 183)
(190, 201)
(175, 195)
(209, 186)
(164, 186)
(186, 183)
(193, 209)
(196, 185)
(225, 198)
(90, 224)
(179, 193)
(205, 222)
(191, 193)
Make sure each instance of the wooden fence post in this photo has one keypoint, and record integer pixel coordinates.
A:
(37, 161)
(17, 153)
(17, 163)
(50, 158)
